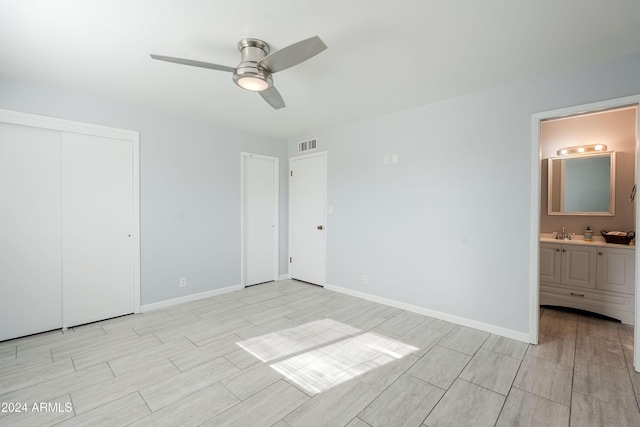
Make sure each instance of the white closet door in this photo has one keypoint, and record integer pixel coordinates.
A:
(30, 282)
(260, 218)
(97, 228)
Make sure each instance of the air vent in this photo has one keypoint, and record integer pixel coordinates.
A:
(309, 145)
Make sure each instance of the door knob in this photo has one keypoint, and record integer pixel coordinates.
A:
(320, 227)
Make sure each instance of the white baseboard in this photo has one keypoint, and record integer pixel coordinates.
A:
(284, 277)
(188, 298)
(487, 327)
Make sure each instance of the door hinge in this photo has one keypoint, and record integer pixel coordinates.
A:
(291, 173)
(290, 259)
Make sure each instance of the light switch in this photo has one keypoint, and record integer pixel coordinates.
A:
(394, 158)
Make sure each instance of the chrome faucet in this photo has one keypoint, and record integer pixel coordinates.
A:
(563, 235)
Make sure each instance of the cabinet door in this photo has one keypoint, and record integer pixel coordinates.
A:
(550, 262)
(579, 266)
(616, 270)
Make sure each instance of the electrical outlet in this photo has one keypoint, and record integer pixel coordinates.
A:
(183, 282)
(386, 159)
(365, 279)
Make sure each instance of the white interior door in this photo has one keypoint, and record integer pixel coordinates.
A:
(30, 283)
(259, 218)
(97, 228)
(307, 217)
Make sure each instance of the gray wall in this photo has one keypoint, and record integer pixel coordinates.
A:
(448, 227)
(189, 186)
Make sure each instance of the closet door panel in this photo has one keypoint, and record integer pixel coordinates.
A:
(30, 271)
(97, 224)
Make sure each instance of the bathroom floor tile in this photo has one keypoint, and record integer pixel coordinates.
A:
(605, 383)
(554, 348)
(558, 327)
(604, 352)
(591, 412)
(605, 330)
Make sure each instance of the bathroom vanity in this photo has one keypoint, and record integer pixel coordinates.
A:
(595, 276)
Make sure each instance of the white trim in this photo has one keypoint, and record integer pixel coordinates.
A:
(189, 298)
(636, 328)
(63, 125)
(493, 329)
(534, 253)
(136, 224)
(276, 213)
(535, 207)
(284, 277)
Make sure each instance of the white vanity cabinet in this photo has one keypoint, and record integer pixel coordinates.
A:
(550, 262)
(616, 270)
(568, 264)
(590, 276)
(578, 266)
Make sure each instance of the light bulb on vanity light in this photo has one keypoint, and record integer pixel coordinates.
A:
(582, 149)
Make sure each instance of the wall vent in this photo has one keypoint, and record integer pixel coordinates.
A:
(309, 145)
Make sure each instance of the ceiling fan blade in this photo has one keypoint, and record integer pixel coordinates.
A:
(193, 63)
(293, 54)
(273, 97)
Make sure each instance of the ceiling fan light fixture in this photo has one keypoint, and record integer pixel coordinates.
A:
(252, 78)
(254, 84)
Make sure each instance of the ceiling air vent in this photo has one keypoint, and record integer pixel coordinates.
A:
(309, 145)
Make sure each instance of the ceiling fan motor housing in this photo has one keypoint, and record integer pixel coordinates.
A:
(251, 52)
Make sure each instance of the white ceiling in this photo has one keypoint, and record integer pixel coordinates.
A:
(383, 56)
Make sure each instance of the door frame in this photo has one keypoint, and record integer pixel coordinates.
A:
(324, 213)
(536, 167)
(276, 203)
(63, 125)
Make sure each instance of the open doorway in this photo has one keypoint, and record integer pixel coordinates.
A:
(574, 127)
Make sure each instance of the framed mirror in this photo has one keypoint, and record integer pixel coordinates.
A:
(582, 185)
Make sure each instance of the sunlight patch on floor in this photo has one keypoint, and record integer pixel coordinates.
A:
(319, 355)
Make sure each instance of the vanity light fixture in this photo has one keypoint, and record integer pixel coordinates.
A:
(582, 149)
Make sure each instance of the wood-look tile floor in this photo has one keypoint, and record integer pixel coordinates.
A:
(291, 354)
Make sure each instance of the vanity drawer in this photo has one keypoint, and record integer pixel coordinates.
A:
(613, 304)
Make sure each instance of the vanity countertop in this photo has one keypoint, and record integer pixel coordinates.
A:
(578, 239)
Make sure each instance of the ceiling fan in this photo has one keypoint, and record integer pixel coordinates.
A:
(257, 64)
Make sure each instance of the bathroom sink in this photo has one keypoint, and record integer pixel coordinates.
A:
(548, 236)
